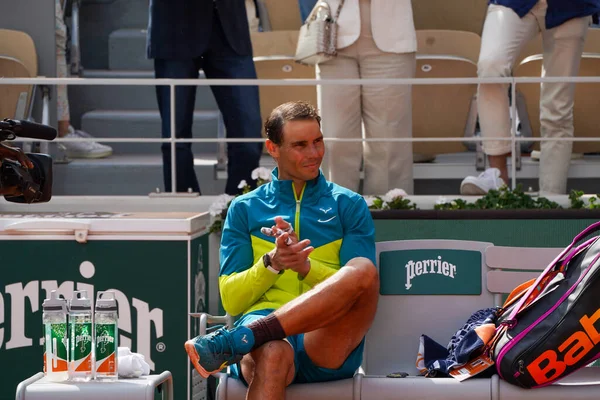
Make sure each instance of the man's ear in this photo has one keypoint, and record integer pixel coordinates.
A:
(272, 148)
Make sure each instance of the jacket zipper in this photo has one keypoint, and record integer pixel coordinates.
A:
(297, 221)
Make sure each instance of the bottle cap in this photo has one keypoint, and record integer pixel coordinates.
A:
(106, 301)
(80, 301)
(55, 302)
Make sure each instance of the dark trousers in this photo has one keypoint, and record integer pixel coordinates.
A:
(239, 105)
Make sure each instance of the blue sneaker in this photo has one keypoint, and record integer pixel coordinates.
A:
(212, 352)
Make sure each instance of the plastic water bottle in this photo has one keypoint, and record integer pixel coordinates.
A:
(55, 338)
(107, 331)
(80, 333)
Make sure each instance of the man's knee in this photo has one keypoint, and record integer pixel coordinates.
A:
(493, 66)
(274, 359)
(367, 276)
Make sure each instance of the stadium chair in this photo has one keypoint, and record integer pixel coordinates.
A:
(19, 45)
(457, 15)
(449, 42)
(283, 67)
(586, 119)
(445, 110)
(276, 15)
(20, 61)
(274, 59)
(14, 99)
(274, 43)
(535, 46)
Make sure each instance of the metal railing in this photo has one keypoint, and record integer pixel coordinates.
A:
(75, 58)
(172, 83)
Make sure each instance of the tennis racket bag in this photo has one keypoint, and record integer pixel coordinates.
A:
(550, 327)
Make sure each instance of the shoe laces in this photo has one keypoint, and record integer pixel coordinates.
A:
(82, 134)
(488, 173)
(222, 344)
(492, 174)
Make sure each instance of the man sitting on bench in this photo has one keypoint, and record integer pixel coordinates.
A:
(304, 318)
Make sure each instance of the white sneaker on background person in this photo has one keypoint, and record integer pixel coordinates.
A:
(85, 149)
(480, 185)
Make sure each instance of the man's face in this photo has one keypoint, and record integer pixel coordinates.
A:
(301, 151)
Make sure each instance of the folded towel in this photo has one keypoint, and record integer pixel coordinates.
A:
(131, 365)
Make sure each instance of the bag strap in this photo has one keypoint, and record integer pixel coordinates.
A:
(516, 294)
(316, 7)
(592, 228)
(339, 10)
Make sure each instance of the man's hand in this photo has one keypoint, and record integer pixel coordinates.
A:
(292, 256)
(14, 153)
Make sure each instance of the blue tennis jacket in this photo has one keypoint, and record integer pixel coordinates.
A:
(336, 220)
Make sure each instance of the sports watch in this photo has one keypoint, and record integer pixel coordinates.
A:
(269, 264)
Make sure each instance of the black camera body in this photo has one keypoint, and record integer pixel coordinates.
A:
(18, 183)
(35, 185)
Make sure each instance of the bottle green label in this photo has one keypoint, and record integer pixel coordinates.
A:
(81, 335)
(105, 340)
(57, 334)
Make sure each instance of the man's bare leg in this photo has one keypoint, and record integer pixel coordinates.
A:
(268, 370)
(350, 295)
(63, 128)
(500, 163)
(331, 299)
(336, 314)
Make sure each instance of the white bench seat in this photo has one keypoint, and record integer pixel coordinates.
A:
(437, 305)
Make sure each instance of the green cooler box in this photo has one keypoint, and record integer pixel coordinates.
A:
(157, 263)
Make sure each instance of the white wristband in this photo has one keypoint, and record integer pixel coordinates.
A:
(273, 270)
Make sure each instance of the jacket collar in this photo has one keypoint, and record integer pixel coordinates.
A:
(313, 188)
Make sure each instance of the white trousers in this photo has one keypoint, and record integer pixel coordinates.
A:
(385, 111)
(504, 36)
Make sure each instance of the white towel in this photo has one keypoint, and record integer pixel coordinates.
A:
(131, 365)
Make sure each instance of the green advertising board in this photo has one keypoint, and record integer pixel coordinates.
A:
(430, 271)
(156, 264)
(504, 228)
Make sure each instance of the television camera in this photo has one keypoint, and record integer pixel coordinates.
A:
(25, 177)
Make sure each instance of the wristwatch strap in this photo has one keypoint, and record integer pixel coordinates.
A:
(269, 264)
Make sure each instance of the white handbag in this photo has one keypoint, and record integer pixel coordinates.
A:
(317, 41)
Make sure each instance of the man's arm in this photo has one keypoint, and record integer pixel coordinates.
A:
(241, 280)
(358, 241)
(359, 236)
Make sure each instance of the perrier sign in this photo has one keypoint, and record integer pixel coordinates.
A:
(430, 272)
(151, 281)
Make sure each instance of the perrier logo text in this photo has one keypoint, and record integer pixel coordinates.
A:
(423, 267)
(85, 339)
(104, 340)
